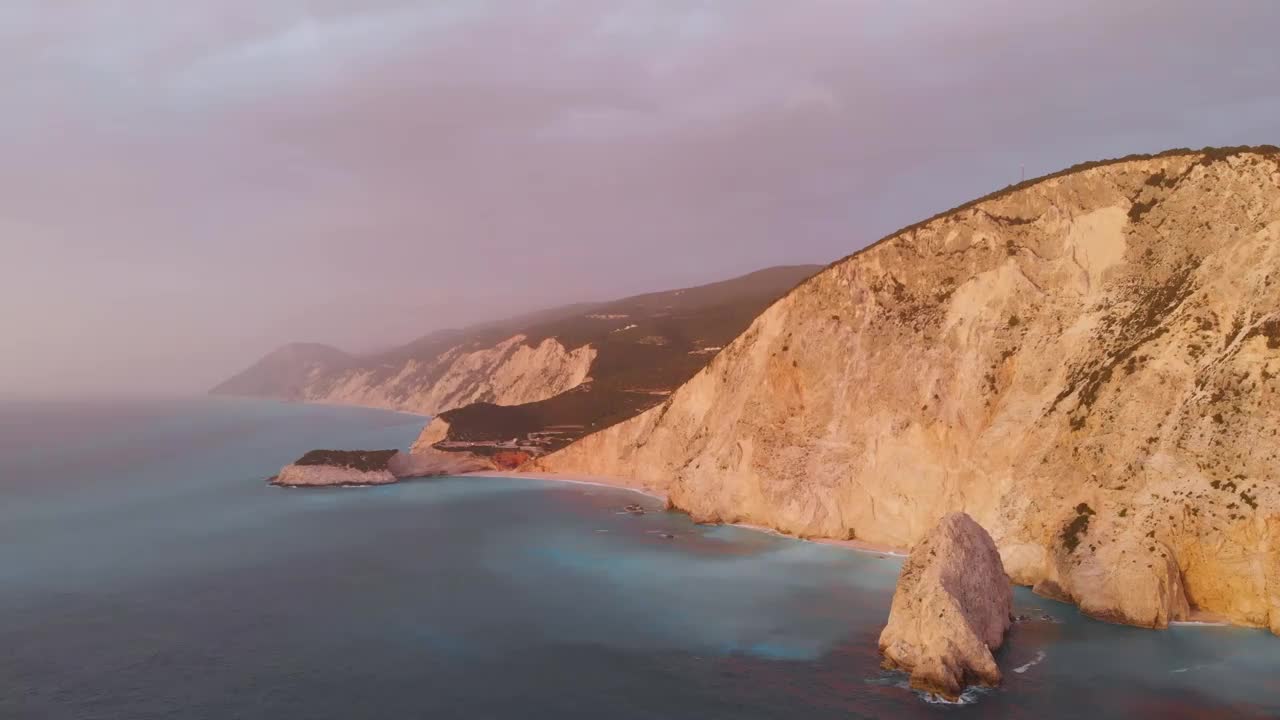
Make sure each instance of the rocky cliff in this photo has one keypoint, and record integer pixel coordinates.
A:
(1087, 364)
(511, 371)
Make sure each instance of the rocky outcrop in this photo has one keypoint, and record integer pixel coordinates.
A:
(1124, 579)
(510, 459)
(435, 431)
(339, 467)
(330, 475)
(1089, 365)
(950, 611)
(432, 463)
(377, 467)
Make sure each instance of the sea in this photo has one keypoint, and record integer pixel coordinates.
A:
(147, 570)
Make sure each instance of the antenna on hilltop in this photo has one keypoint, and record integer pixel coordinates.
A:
(1024, 173)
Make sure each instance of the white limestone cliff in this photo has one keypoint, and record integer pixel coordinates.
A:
(1089, 366)
(437, 430)
(511, 372)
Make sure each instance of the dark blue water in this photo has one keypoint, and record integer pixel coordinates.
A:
(146, 571)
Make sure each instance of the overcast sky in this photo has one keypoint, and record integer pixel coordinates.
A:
(186, 185)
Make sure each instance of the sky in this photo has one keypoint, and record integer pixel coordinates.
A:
(186, 185)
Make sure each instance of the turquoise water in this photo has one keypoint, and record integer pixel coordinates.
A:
(147, 571)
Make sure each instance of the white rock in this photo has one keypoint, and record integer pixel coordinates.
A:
(950, 610)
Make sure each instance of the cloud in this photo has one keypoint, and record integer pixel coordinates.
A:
(208, 179)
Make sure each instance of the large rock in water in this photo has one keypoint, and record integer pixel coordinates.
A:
(1108, 337)
(950, 611)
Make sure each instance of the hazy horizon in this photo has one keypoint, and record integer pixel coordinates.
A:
(187, 186)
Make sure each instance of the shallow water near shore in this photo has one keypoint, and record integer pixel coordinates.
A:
(147, 571)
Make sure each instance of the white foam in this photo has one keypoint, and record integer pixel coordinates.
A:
(968, 697)
(1023, 668)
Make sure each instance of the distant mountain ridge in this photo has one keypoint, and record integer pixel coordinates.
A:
(618, 357)
(285, 372)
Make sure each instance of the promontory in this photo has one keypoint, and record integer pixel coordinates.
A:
(1088, 364)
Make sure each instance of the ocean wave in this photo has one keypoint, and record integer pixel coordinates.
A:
(1191, 667)
(1023, 668)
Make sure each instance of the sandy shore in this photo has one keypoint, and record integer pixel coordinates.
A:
(856, 545)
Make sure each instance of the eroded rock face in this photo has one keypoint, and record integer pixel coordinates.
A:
(511, 372)
(950, 611)
(1111, 574)
(432, 463)
(435, 431)
(1109, 337)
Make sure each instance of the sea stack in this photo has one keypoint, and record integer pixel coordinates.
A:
(950, 610)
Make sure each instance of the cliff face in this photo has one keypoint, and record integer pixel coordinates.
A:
(1089, 366)
(510, 372)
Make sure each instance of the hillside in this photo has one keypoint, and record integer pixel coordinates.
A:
(1088, 364)
(582, 366)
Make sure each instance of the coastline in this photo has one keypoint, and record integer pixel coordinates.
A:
(1197, 618)
(854, 545)
(1202, 618)
(366, 406)
(861, 546)
(557, 477)
(320, 403)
